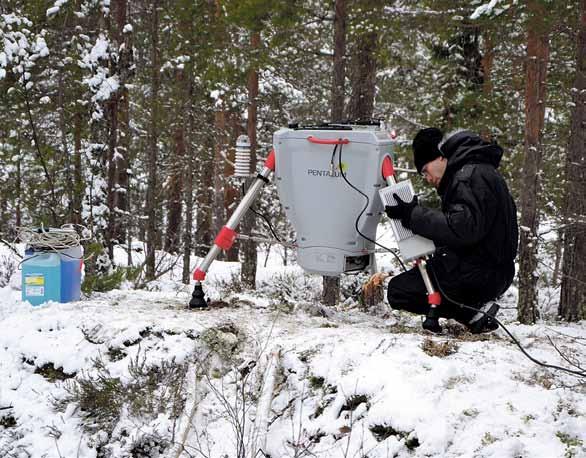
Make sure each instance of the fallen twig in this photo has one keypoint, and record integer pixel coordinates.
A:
(9, 245)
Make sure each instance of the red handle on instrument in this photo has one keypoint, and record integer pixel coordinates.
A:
(388, 168)
(328, 141)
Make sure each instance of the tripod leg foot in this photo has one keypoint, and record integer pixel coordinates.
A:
(431, 322)
(197, 298)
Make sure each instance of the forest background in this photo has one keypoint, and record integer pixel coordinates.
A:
(123, 115)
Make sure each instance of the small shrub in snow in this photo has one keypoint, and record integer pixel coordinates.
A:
(546, 380)
(7, 421)
(149, 445)
(229, 286)
(354, 401)
(290, 288)
(98, 395)
(488, 439)
(315, 382)
(439, 349)
(52, 373)
(383, 432)
(351, 285)
(8, 266)
(537, 377)
(102, 282)
(453, 382)
(116, 354)
(574, 445)
(10, 437)
(149, 391)
(306, 355)
(473, 413)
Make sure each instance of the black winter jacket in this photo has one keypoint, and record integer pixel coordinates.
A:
(476, 230)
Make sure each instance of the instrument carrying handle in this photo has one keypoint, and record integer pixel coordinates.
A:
(328, 141)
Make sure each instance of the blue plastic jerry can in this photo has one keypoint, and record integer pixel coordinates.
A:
(52, 276)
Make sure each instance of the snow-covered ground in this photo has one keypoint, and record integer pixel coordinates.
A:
(133, 373)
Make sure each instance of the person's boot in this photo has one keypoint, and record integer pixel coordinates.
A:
(484, 320)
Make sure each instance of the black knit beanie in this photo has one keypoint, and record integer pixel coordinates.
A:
(426, 146)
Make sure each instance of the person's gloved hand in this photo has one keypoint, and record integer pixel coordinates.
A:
(402, 210)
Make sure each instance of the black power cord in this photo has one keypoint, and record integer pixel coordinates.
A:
(364, 209)
(264, 217)
(513, 338)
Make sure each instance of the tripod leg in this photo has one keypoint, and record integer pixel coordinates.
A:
(434, 298)
(227, 234)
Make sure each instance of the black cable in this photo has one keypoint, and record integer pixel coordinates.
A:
(513, 338)
(364, 209)
(264, 217)
(333, 158)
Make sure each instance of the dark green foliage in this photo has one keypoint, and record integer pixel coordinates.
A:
(116, 354)
(150, 391)
(103, 282)
(315, 382)
(109, 281)
(382, 432)
(7, 421)
(148, 446)
(354, 401)
(52, 373)
(99, 396)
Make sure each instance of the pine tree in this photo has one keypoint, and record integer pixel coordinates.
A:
(152, 158)
(573, 291)
(331, 284)
(535, 97)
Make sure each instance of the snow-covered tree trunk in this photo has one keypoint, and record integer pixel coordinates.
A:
(66, 155)
(78, 184)
(535, 93)
(203, 197)
(362, 78)
(177, 166)
(248, 250)
(331, 285)
(573, 292)
(151, 197)
(18, 185)
(188, 177)
(339, 77)
(487, 63)
(122, 163)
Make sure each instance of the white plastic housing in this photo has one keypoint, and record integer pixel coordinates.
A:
(322, 207)
(412, 246)
(242, 157)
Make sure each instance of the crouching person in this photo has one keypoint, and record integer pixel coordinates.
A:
(475, 231)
